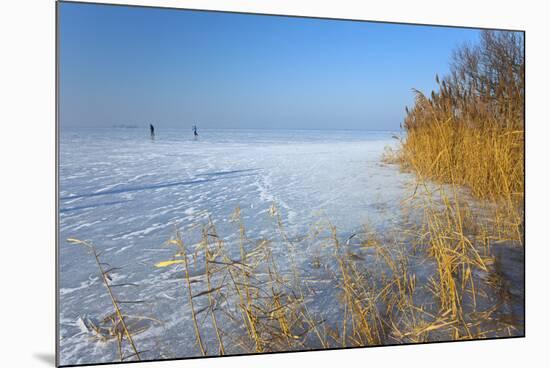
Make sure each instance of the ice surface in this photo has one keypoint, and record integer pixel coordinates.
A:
(125, 192)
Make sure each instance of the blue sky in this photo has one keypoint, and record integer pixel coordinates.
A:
(175, 68)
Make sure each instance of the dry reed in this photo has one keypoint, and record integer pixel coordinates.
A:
(437, 279)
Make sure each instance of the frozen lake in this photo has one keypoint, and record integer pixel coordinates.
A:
(125, 192)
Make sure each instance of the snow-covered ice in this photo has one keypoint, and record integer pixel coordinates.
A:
(125, 192)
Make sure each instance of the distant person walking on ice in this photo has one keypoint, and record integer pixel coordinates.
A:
(195, 134)
(152, 128)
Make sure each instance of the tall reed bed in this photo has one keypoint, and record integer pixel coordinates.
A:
(465, 143)
(470, 131)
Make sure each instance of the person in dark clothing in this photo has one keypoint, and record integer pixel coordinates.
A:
(195, 131)
(152, 128)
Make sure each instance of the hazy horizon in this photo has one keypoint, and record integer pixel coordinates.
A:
(174, 126)
(122, 65)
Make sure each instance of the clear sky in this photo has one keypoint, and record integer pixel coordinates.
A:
(175, 68)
